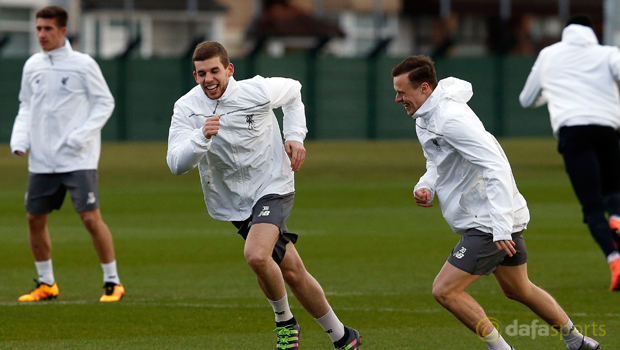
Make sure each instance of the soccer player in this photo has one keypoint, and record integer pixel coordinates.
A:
(64, 104)
(228, 129)
(577, 78)
(468, 172)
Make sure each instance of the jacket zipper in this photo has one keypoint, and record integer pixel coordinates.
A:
(49, 146)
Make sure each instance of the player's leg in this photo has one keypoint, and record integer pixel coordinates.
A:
(516, 285)
(577, 146)
(259, 245)
(259, 253)
(310, 295)
(100, 234)
(84, 190)
(44, 194)
(608, 152)
(474, 255)
(449, 291)
(39, 237)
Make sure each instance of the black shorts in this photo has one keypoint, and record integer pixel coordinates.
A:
(47, 192)
(477, 254)
(271, 209)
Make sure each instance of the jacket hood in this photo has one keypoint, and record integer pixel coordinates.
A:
(447, 89)
(576, 34)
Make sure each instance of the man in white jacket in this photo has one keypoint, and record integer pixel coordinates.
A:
(468, 172)
(577, 78)
(64, 104)
(228, 129)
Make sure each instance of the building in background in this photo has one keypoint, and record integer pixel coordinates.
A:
(160, 28)
(17, 25)
(351, 28)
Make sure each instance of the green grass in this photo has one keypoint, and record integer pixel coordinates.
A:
(374, 252)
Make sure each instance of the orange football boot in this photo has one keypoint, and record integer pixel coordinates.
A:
(113, 292)
(41, 292)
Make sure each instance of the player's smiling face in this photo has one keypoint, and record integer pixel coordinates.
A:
(212, 76)
(412, 98)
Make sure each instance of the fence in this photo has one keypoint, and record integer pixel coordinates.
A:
(344, 98)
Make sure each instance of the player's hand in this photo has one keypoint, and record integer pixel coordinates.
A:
(211, 127)
(19, 153)
(296, 152)
(423, 197)
(508, 246)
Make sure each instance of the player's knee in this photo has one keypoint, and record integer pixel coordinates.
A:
(517, 293)
(255, 260)
(35, 222)
(440, 293)
(90, 222)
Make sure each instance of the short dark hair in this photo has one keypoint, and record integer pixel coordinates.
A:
(421, 69)
(54, 12)
(579, 19)
(210, 49)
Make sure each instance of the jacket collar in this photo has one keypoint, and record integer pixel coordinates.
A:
(231, 90)
(426, 109)
(576, 34)
(61, 52)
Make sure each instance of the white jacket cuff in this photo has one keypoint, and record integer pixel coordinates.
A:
(507, 236)
(297, 138)
(427, 186)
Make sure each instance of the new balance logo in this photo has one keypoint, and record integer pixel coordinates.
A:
(91, 198)
(265, 211)
(460, 253)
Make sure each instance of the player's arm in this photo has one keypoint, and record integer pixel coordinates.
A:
(286, 93)
(186, 144)
(531, 95)
(424, 190)
(101, 107)
(20, 136)
(482, 149)
(614, 63)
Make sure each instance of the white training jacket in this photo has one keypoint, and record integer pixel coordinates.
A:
(466, 168)
(577, 78)
(64, 104)
(246, 160)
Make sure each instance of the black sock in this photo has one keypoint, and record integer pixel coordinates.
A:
(290, 322)
(343, 341)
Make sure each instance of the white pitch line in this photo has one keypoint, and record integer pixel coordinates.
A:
(148, 303)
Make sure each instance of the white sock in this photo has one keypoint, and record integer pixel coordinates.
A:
(332, 325)
(613, 256)
(109, 273)
(45, 271)
(281, 309)
(495, 341)
(571, 335)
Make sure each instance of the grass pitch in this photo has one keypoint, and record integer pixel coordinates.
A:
(374, 252)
